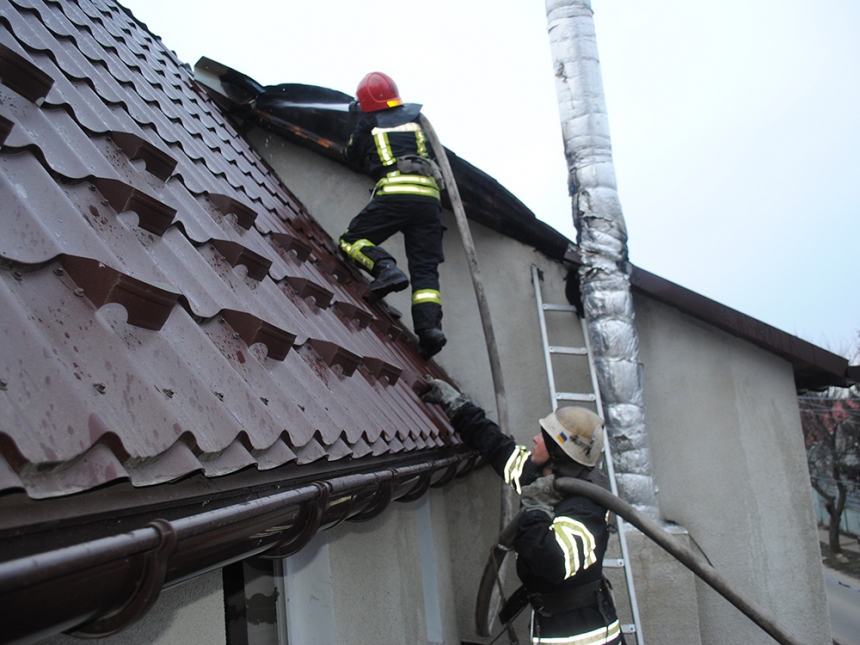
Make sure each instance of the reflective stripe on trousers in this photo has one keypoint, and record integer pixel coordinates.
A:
(599, 636)
(354, 251)
(426, 295)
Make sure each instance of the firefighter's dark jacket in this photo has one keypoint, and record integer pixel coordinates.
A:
(381, 138)
(543, 564)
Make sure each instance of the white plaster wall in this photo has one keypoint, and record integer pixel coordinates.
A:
(187, 614)
(730, 464)
(377, 579)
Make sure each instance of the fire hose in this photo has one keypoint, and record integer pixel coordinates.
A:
(507, 504)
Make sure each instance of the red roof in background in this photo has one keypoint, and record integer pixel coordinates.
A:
(167, 306)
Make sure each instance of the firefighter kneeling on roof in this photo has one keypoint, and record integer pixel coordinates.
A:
(560, 541)
(391, 141)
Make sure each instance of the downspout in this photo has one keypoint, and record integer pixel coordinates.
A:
(602, 238)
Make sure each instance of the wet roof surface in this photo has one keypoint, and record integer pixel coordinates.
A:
(167, 306)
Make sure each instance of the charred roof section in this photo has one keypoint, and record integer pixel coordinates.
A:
(321, 119)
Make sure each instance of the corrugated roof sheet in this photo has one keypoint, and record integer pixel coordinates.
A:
(167, 306)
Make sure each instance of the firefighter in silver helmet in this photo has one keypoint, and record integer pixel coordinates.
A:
(560, 540)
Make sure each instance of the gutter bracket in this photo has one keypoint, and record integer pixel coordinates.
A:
(421, 487)
(310, 519)
(149, 587)
(379, 503)
(448, 477)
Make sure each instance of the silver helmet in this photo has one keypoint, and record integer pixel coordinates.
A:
(578, 431)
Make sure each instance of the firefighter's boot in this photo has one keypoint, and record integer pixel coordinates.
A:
(431, 341)
(388, 278)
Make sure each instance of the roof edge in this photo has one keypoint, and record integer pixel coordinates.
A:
(814, 368)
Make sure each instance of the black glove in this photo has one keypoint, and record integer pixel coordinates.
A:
(445, 395)
(541, 495)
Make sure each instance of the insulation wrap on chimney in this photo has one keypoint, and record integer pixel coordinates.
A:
(602, 241)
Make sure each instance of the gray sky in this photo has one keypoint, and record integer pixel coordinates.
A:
(735, 125)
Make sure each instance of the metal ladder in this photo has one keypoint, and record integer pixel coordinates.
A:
(589, 397)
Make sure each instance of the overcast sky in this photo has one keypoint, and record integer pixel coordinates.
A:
(735, 125)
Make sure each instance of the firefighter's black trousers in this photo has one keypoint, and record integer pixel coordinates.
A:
(419, 219)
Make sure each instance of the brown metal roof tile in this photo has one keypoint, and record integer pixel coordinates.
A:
(107, 378)
(158, 162)
(232, 459)
(276, 455)
(147, 305)
(174, 463)
(96, 467)
(310, 452)
(19, 73)
(39, 220)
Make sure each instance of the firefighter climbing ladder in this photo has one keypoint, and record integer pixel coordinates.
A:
(590, 397)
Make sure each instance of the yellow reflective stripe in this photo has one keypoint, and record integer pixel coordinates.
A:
(421, 143)
(396, 178)
(599, 636)
(354, 251)
(426, 295)
(396, 184)
(383, 147)
(408, 189)
(514, 468)
(566, 530)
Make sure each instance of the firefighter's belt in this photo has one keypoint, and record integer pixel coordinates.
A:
(548, 604)
(414, 165)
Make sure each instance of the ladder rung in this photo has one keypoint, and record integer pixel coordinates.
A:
(572, 396)
(613, 563)
(559, 308)
(578, 351)
(628, 628)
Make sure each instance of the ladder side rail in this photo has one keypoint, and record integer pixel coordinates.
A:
(610, 471)
(547, 354)
(555, 396)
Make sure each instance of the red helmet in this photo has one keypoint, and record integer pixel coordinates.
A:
(377, 91)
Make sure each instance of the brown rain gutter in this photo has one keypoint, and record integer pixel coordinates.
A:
(100, 587)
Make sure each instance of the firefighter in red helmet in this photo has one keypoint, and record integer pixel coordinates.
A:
(390, 140)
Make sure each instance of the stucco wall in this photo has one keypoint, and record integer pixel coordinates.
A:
(730, 464)
(727, 447)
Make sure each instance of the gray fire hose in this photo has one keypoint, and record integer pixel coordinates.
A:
(485, 615)
(508, 505)
(474, 269)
